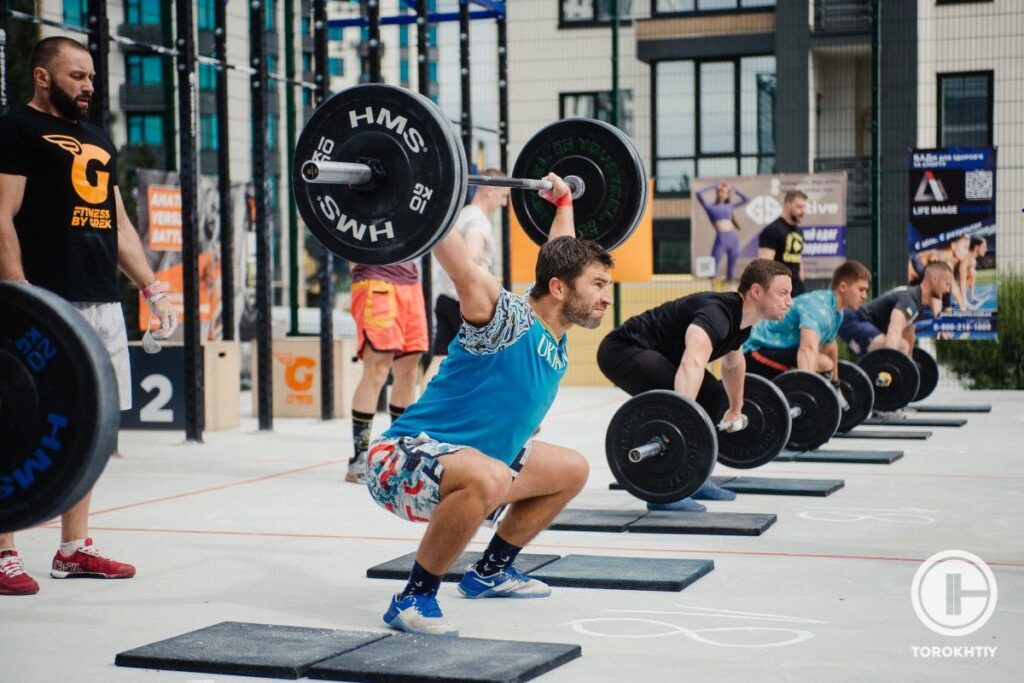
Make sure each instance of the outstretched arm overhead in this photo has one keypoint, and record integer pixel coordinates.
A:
(478, 290)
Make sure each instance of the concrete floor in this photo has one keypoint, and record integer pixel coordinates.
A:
(260, 527)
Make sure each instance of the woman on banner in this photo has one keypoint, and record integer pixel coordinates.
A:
(727, 241)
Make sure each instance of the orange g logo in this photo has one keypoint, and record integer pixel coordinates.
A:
(84, 155)
(299, 376)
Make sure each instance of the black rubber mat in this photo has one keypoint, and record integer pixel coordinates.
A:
(243, 649)
(887, 435)
(707, 523)
(936, 408)
(415, 659)
(915, 421)
(777, 486)
(623, 573)
(400, 567)
(867, 457)
(595, 520)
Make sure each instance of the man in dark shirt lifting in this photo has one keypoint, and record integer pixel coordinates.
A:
(668, 347)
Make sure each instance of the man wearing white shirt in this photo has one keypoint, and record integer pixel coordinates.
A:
(474, 223)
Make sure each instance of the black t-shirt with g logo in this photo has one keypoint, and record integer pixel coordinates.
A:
(788, 242)
(67, 224)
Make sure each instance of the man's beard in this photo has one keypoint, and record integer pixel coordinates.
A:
(65, 104)
(576, 312)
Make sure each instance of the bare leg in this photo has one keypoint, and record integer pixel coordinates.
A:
(552, 476)
(375, 374)
(404, 371)
(74, 524)
(472, 485)
(435, 365)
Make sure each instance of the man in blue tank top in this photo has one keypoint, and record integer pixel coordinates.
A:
(462, 452)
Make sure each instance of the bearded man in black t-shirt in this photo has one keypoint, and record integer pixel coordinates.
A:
(63, 227)
(669, 347)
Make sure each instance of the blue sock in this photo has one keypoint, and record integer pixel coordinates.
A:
(499, 554)
(421, 582)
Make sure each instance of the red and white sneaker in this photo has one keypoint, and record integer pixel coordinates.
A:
(86, 562)
(13, 579)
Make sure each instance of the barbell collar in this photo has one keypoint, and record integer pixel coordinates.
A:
(652, 448)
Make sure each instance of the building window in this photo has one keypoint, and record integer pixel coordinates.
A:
(965, 109)
(335, 66)
(145, 12)
(598, 105)
(145, 129)
(144, 69)
(75, 12)
(693, 6)
(207, 77)
(711, 118)
(271, 69)
(672, 245)
(307, 61)
(335, 33)
(270, 15)
(272, 126)
(591, 12)
(206, 15)
(306, 27)
(272, 190)
(208, 132)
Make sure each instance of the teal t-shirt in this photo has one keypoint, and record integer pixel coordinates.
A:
(496, 385)
(815, 311)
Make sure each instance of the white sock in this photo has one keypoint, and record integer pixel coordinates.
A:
(69, 548)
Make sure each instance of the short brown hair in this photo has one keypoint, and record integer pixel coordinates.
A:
(851, 271)
(565, 258)
(761, 271)
(46, 50)
(936, 266)
(793, 194)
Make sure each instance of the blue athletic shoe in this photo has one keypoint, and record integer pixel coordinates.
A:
(711, 491)
(686, 505)
(508, 583)
(418, 614)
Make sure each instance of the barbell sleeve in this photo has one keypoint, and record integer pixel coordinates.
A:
(652, 448)
(354, 173)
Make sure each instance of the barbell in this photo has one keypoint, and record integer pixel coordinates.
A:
(379, 176)
(58, 406)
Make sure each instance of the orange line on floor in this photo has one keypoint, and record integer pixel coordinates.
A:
(219, 487)
(563, 546)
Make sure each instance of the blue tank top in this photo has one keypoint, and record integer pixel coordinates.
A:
(495, 386)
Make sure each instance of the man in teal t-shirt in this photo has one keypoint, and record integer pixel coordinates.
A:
(806, 338)
(462, 452)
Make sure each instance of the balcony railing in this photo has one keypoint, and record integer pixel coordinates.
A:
(842, 16)
(135, 97)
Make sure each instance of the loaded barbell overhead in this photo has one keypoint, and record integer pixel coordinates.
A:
(379, 176)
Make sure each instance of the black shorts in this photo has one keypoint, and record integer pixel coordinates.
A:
(635, 370)
(770, 363)
(448, 318)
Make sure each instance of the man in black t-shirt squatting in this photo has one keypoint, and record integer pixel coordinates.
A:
(669, 347)
(782, 241)
(63, 227)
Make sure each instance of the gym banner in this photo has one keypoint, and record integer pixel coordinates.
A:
(724, 240)
(953, 219)
(160, 225)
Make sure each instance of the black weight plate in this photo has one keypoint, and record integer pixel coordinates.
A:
(929, 371)
(859, 394)
(767, 431)
(894, 376)
(612, 170)
(688, 459)
(400, 216)
(819, 408)
(58, 406)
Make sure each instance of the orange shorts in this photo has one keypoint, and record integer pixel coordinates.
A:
(390, 317)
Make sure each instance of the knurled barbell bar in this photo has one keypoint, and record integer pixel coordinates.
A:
(379, 176)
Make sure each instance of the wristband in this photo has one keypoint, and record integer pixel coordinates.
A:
(155, 291)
